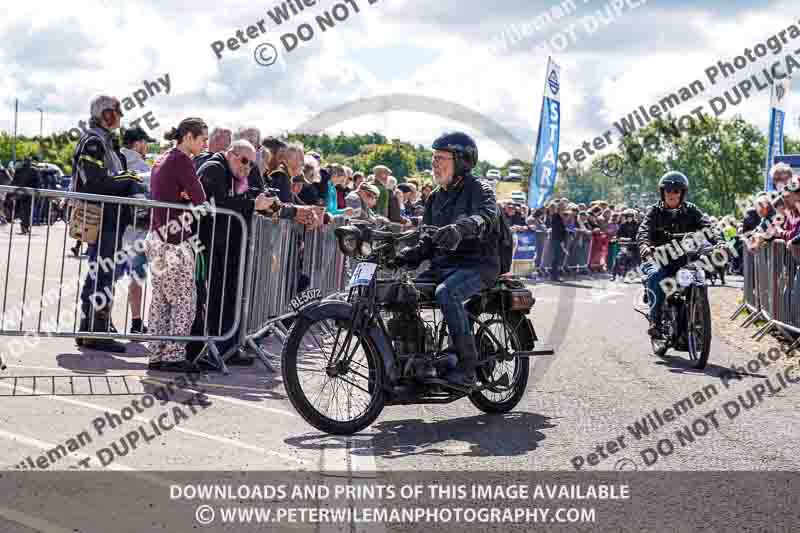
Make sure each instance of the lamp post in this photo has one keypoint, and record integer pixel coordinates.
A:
(41, 133)
(14, 142)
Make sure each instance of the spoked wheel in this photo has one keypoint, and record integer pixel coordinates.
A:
(699, 328)
(332, 377)
(506, 378)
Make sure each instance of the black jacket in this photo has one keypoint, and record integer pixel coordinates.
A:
(558, 232)
(217, 179)
(628, 230)
(751, 220)
(659, 221)
(470, 199)
(281, 180)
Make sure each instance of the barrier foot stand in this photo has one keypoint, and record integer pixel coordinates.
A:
(752, 318)
(262, 355)
(793, 346)
(210, 355)
(764, 330)
(738, 311)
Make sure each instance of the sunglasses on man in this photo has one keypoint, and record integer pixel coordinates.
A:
(246, 162)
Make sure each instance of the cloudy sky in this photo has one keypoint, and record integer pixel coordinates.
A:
(437, 64)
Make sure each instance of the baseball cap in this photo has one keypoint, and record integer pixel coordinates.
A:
(136, 134)
(369, 188)
(102, 103)
(405, 187)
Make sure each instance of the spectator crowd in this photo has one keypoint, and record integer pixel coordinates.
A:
(269, 176)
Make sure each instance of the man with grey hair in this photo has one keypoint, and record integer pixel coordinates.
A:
(225, 179)
(218, 141)
(98, 169)
(256, 177)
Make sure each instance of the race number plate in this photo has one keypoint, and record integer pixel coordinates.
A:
(305, 298)
(363, 274)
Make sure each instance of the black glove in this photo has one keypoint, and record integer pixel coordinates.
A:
(448, 237)
(403, 258)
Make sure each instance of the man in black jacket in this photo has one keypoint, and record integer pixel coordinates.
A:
(669, 216)
(99, 169)
(225, 179)
(26, 175)
(464, 257)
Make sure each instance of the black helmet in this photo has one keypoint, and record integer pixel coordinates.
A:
(463, 148)
(672, 180)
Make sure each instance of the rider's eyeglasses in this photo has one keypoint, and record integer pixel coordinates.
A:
(672, 188)
(439, 159)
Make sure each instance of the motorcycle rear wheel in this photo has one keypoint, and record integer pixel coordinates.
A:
(502, 333)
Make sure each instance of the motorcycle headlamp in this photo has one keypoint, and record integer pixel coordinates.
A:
(349, 240)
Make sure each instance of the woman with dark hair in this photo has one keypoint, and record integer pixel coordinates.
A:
(171, 256)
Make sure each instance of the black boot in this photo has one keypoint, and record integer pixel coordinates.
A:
(464, 376)
(101, 324)
(656, 330)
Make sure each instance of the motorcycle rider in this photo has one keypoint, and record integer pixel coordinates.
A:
(673, 214)
(464, 259)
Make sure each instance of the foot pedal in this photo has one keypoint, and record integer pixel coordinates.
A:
(532, 353)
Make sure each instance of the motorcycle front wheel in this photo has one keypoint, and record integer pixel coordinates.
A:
(698, 322)
(336, 385)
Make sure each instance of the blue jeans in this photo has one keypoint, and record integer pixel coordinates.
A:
(454, 287)
(654, 277)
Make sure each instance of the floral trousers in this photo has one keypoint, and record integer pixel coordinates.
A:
(174, 297)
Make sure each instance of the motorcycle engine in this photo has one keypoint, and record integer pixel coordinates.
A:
(409, 333)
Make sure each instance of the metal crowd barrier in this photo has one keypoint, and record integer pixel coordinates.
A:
(323, 263)
(281, 254)
(771, 289)
(579, 252)
(40, 264)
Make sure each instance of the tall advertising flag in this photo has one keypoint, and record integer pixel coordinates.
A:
(780, 93)
(544, 169)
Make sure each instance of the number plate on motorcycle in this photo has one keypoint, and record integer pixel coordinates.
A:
(305, 298)
(363, 274)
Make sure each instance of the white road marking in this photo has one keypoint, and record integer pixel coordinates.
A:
(233, 401)
(200, 434)
(48, 446)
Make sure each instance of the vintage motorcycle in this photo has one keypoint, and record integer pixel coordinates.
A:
(627, 260)
(387, 344)
(685, 312)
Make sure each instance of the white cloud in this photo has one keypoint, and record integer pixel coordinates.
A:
(56, 57)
